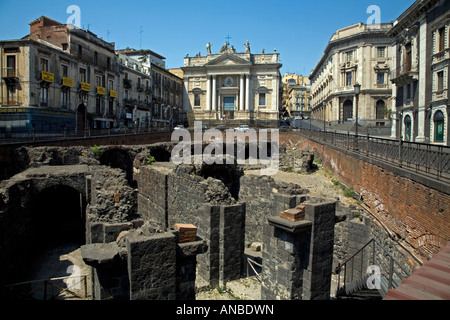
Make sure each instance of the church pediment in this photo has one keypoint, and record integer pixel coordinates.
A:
(228, 59)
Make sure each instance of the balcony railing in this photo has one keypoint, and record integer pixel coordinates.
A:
(404, 74)
(10, 73)
(440, 95)
(441, 56)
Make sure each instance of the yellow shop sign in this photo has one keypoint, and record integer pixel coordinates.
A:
(85, 86)
(47, 76)
(101, 90)
(67, 82)
(113, 93)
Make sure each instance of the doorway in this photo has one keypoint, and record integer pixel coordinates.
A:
(228, 107)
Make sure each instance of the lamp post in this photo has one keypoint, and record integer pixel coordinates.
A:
(357, 87)
(324, 104)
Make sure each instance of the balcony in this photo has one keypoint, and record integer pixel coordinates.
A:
(10, 74)
(404, 75)
(441, 56)
(440, 95)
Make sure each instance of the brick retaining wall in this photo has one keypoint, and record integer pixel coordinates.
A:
(402, 200)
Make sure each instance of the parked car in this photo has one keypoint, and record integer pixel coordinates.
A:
(120, 129)
(178, 127)
(222, 127)
(284, 125)
(243, 128)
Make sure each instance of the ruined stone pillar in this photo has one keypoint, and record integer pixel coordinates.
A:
(223, 229)
(298, 253)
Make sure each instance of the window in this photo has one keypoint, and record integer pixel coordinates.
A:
(381, 52)
(349, 56)
(441, 39)
(98, 81)
(438, 126)
(95, 57)
(98, 105)
(110, 84)
(64, 70)
(44, 64)
(80, 51)
(64, 99)
(380, 78)
(11, 66)
(108, 63)
(408, 91)
(440, 81)
(125, 95)
(44, 96)
(349, 79)
(196, 100)
(11, 95)
(408, 57)
(111, 106)
(82, 75)
(262, 99)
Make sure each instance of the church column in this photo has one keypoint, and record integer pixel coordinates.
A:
(247, 92)
(208, 93)
(241, 93)
(214, 94)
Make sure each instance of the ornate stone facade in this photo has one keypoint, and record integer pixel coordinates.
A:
(420, 102)
(231, 88)
(355, 54)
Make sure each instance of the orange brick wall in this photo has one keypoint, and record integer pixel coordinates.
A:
(414, 212)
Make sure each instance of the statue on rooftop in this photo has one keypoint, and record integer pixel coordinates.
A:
(247, 47)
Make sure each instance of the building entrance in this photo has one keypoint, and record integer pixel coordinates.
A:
(228, 108)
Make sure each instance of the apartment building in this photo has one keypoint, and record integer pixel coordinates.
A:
(421, 59)
(296, 96)
(361, 55)
(58, 77)
(162, 102)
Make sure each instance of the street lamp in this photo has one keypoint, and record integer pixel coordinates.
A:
(324, 104)
(357, 87)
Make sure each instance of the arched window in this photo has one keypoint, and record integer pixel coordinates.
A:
(438, 126)
(348, 110)
(407, 122)
(380, 109)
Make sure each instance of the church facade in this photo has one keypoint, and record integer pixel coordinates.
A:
(231, 89)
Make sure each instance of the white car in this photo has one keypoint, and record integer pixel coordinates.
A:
(243, 128)
(178, 127)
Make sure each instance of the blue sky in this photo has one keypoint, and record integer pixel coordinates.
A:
(299, 30)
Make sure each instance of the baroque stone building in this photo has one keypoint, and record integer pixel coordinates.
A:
(421, 58)
(357, 54)
(232, 88)
(296, 95)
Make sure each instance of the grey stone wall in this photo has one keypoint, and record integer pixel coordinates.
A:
(356, 231)
(151, 267)
(298, 255)
(264, 198)
(223, 228)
